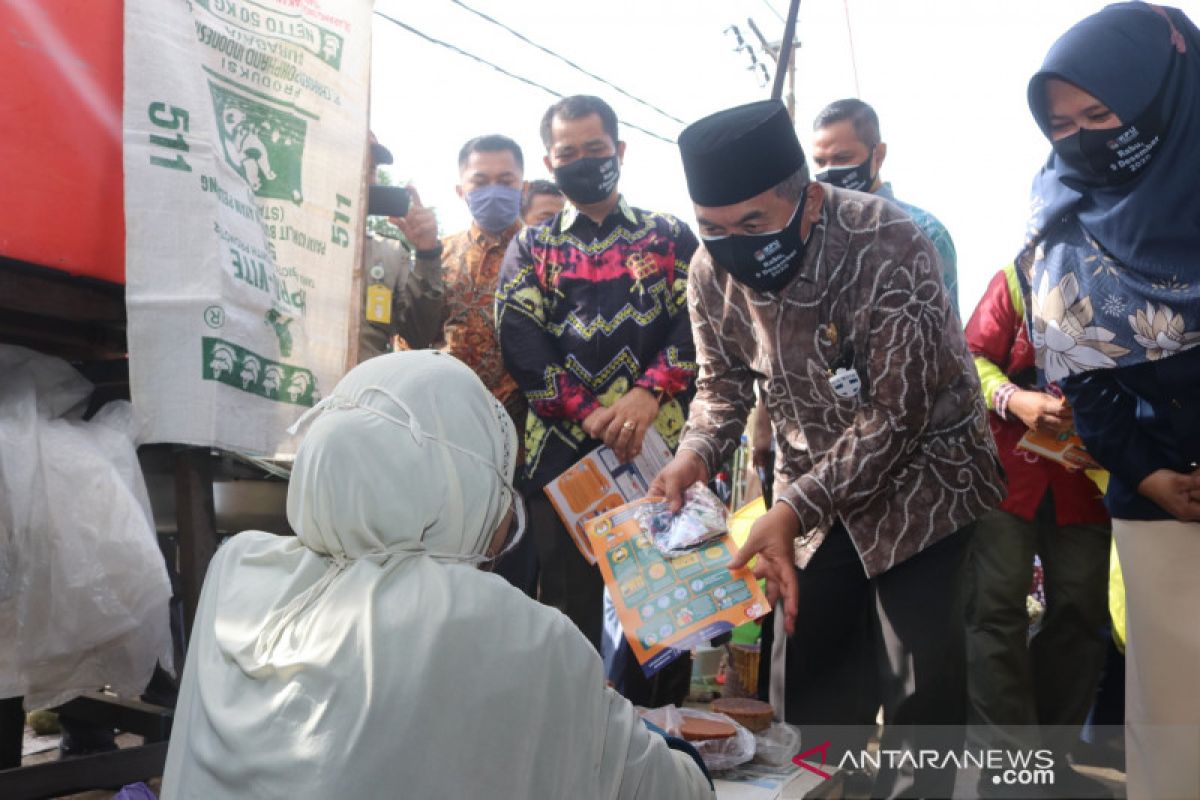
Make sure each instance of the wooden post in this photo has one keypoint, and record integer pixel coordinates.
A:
(12, 732)
(197, 523)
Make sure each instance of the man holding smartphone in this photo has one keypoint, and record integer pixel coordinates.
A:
(402, 296)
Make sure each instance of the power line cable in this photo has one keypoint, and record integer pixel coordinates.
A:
(767, 3)
(853, 57)
(567, 61)
(506, 72)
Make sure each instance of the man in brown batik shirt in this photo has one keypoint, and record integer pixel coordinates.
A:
(832, 303)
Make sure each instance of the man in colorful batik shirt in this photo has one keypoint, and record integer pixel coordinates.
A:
(491, 179)
(593, 322)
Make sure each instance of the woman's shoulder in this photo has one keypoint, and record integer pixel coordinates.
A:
(253, 548)
(489, 596)
(256, 543)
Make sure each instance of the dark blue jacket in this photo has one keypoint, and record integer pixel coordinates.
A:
(1136, 420)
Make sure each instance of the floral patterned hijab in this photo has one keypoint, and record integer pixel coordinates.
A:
(1114, 272)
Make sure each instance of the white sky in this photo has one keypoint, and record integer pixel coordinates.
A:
(947, 77)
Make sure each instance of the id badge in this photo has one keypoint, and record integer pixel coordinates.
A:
(379, 304)
(845, 382)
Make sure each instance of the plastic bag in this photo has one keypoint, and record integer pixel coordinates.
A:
(777, 745)
(135, 791)
(702, 518)
(668, 718)
(84, 591)
(718, 754)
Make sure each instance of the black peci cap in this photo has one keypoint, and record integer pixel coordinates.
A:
(735, 154)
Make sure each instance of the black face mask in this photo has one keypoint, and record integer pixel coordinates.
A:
(765, 262)
(1113, 156)
(589, 180)
(858, 178)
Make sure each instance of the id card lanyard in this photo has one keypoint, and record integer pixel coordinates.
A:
(378, 307)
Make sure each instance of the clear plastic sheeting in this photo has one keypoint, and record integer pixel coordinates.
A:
(83, 586)
(718, 754)
(777, 745)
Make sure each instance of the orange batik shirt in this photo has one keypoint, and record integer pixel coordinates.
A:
(471, 270)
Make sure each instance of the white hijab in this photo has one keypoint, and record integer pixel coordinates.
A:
(367, 657)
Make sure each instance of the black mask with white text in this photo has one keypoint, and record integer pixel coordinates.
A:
(586, 181)
(764, 262)
(1113, 156)
(857, 178)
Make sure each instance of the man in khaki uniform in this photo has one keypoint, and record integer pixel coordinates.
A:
(400, 300)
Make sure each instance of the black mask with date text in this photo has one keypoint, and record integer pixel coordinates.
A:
(586, 181)
(765, 262)
(1114, 156)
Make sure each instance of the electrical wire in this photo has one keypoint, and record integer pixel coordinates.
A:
(505, 72)
(566, 61)
(767, 3)
(853, 57)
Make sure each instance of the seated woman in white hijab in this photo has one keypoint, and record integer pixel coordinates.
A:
(369, 657)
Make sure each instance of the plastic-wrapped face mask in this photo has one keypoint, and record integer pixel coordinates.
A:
(702, 518)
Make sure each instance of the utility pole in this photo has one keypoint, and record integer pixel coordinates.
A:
(773, 50)
(786, 48)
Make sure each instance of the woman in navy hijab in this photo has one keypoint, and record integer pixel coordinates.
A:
(1113, 269)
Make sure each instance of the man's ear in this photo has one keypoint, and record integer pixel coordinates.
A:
(814, 200)
(460, 191)
(880, 155)
(549, 166)
(621, 153)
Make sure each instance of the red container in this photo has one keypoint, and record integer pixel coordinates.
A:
(62, 199)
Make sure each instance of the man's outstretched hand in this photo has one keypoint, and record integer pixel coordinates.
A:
(772, 539)
(685, 469)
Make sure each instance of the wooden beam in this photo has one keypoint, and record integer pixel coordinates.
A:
(50, 293)
(110, 770)
(70, 339)
(151, 722)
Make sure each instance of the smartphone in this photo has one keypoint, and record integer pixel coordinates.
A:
(387, 201)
